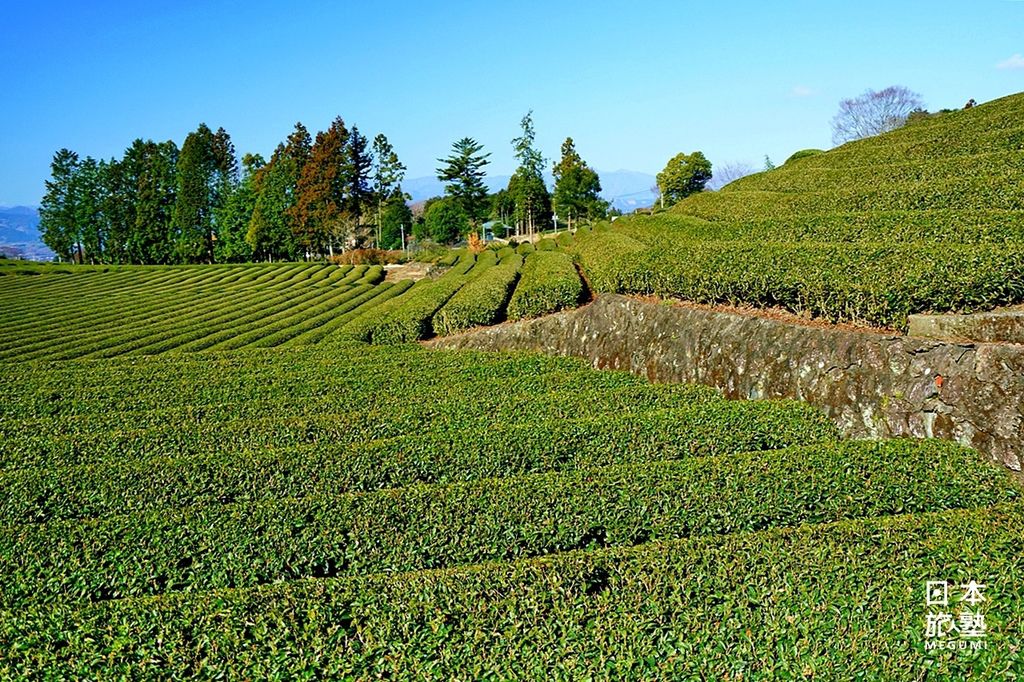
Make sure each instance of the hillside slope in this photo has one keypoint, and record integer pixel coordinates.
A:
(928, 218)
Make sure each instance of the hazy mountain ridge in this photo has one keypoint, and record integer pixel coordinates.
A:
(19, 233)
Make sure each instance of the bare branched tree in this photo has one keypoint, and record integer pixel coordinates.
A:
(874, 112)
(727, 172)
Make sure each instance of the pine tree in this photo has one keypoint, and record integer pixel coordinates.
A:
(463, 171)
(57, 220)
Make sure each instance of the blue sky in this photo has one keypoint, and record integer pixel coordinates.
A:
(633, 83)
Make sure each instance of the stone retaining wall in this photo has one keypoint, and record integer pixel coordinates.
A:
(870, 385)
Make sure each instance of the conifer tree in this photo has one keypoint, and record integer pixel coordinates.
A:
(463, 171)
(57, 220)
(577, 187)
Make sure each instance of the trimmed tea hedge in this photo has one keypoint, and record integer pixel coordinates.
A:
(482, 301)
(289, 465)
(694, 608)
(548, 284)
(435, 526)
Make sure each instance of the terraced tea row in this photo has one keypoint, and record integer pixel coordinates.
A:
(879, 284)
(693, 607)
(246, 494)
(433, 526)
(927, 218)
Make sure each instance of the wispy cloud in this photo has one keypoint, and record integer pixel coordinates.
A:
(1014, 62)
(804, 91)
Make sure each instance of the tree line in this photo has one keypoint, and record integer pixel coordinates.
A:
(525, 206)
(161, 204)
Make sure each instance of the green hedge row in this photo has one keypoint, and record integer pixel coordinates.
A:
(377, 294)
(548, 284)
(306, 397)
(66, 390)
(861, 282)
(836, 601)
(444, 454)
(480, 302)
(437, 526)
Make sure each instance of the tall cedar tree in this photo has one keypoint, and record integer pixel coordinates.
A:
(577, 187)
(271, 232)
(234, 216)
(206, 168)
(463, 170)
(88, 203)
(359, 197)
(120, 183)
(527, 188)
(151, 239)
(57, 219)
(320, 195)
(387, 175)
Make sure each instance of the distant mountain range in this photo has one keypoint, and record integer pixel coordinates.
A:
(626, 190)
(19, 233)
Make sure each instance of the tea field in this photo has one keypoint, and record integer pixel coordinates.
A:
(927, 218)
(349, 511)
(252, 472)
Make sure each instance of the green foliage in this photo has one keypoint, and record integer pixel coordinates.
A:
(577, 188)
(408, 318)
(511, 518)
(133, 310)
(446, 221)
(928, 218)
(234, 216)
(863, 282)
(395, 217)
(206, 169)
(58, 208)
(548, 284)
(683, 175)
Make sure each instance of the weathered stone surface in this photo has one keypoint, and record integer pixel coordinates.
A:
(871, 385)
(1003, 326)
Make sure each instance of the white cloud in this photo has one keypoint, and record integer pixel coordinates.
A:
(804, 91)
(1014, 62)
